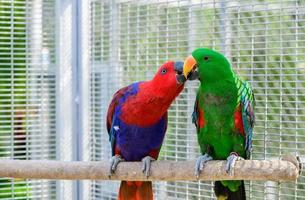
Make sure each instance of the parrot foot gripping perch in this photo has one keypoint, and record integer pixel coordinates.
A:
(200, 163)
(231, 160)
(114, 161)
(146, 163)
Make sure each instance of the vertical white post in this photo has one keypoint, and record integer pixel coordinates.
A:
(83, 91)
(65, 105)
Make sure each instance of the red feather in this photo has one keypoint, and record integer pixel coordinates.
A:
(117, 151)
(154, 153)
(200, 114)
(201, 121)
(135, 190)
(238, 121)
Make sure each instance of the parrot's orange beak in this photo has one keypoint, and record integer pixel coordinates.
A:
(189, 65)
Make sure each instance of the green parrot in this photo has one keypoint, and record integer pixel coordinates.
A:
(223, 115)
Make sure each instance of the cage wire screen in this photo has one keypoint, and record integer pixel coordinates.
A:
(129, 40)
(265, 41)
(27, 91)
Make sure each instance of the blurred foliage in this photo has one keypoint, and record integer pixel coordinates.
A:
(12, 87)
(14, 189)
(12, 69)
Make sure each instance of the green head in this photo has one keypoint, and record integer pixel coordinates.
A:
(211, 65)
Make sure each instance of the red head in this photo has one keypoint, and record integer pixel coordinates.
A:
(169, 81)
(155, 96)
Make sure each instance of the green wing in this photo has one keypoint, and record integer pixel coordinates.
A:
(246, 101)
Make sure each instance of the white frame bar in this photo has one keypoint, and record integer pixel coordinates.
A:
(82, 82)
(66, 109)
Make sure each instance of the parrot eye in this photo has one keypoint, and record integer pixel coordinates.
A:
(163, 71)
(206, 58)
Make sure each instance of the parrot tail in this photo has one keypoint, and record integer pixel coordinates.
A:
(223, 193)
(135, 190)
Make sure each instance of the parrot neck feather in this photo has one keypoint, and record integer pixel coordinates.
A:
(157, 96)
(220, 87)
(155, 101)
(218, 77)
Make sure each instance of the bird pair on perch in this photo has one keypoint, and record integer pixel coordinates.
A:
(223, 115)
(137, 121)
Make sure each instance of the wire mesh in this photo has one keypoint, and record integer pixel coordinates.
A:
(265, 41)
(27, 91)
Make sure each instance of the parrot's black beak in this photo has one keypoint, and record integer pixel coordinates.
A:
(179, 72)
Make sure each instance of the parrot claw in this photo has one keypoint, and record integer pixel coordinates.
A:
(114, 161)
(231, 162)
(200, 163)
(146, 163)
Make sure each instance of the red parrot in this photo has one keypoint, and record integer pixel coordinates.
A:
(137, 122)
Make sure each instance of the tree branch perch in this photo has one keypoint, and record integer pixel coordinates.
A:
(286, 169)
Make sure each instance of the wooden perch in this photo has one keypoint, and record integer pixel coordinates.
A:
(286, 169)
